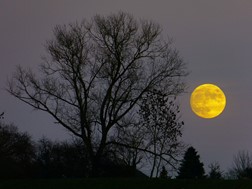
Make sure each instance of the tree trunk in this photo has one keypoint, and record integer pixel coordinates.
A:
(153, 166)
(158, 167)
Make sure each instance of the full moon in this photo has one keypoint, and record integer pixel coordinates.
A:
(208, 101)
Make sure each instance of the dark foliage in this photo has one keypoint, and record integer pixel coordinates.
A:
(69, 160)
(20, 157)
(242, 166)
(215, 172)
(191, 167)
(59, 159)
(163, 173)
(16, 152)
(246, 174)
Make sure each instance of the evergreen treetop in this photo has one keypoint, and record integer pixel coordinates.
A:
(191, 167)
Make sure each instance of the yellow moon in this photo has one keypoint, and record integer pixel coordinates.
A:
(208, 101)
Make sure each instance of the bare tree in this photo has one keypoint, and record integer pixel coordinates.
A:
(95, 74)
(242, 165)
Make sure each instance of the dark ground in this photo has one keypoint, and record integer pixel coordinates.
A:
(125, 184)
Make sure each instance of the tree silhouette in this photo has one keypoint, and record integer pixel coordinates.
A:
(191, 167)
(215, 172)
(16, 152)
(95, 75)
(163, 173)
(160, 118)
(60, 159)
(242, 165)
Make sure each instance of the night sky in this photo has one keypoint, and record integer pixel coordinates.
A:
(213, 37)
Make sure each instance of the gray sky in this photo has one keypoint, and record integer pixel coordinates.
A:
(213, 37)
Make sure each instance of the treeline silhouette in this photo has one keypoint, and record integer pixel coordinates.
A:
(22, 157)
